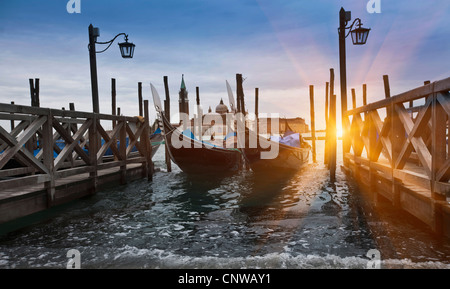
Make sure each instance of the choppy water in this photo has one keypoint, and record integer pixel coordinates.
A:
(238, 221)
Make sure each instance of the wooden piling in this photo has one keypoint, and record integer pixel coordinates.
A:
(12, 120)
(332, 139)
(35, 102)
(113, 100)
(34, 91)
(240, 94)
(364, 87)
(353, 98)
(257, 113)
(325, 158)
(332, 130)
(199, 113)
(387, 90)
(140, 98)
(147, 143)
(167, 114)
(313, 124)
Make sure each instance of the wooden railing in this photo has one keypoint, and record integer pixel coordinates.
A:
(410, 144)
(45, 145)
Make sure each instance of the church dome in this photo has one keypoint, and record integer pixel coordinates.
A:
(221, 108)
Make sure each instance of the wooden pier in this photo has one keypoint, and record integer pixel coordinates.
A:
(398, 149)
(51, 156)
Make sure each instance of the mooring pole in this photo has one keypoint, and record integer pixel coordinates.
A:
(140, 98)
(113, 100)
(34, 92)
(325, 159)
(93, 68)
(199, 113)
(313, 124)
(148, 143)
(12, 120)
(332, 130)
(167, 114)
(257, 112)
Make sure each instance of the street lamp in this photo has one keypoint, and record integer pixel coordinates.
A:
(359, 37)
(126, 50)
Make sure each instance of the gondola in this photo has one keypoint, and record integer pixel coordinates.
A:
(195, 156)
(288, 159)
(156, 139)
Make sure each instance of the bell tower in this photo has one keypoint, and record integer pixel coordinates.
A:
(183, 98)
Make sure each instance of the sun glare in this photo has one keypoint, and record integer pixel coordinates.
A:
(339, 132)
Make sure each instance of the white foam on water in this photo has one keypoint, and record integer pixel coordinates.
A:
(155, 258)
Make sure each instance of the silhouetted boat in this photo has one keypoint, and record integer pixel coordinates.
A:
(195, 156)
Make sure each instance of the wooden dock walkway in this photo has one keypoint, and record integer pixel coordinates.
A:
(54, 156)
(398, 148)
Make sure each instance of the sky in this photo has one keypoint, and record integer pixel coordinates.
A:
(279, 46)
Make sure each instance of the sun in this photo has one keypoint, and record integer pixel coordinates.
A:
(339, 132)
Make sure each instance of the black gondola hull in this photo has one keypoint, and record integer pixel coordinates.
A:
(286, 159)
(195, 157)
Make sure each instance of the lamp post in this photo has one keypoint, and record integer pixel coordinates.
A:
(126, 50)
(359, 37)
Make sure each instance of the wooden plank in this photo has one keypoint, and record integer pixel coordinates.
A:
(412, 129)
(13, 117)
(73, 142)
(356, 136)
(414, 178)
(442, 188)
(73, 172)
(15, 172)
(16, 146)
(21, 109)
(109, 141)
(382, 130)
(108, 165)
(23, 181)
(47, 154)
(21, 126)
(134, 139)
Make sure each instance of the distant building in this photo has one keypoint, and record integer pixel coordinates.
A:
(296, 124)
(183, 98)
(220, 112)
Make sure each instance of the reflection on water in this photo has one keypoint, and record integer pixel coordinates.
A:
(236, 221)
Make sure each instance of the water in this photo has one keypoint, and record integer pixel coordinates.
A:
(237, 221)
